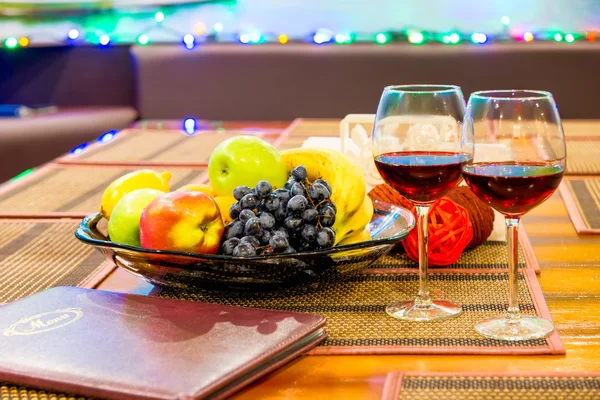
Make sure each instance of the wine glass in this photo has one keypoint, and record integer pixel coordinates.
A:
(419, 149)
(518, 163)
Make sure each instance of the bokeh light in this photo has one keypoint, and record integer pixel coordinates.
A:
(73, 34)
(143, 40)
(104, 40)
(416, 38)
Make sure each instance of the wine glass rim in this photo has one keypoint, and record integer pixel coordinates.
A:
(505, 94)
(422, 88)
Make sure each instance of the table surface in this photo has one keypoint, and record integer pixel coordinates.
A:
(570, 280)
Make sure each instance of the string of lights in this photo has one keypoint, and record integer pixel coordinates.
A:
(201, 34)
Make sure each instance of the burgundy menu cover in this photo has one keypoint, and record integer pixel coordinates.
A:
(123, 346)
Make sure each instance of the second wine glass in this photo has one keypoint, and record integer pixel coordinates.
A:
(520, 158)
(419, 148)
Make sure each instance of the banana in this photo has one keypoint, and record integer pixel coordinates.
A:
(344, 176)
(355, 222)
(357, 237)
(142, 179)
(224, 203)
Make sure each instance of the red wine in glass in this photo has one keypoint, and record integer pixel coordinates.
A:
(525, 127)
(513, 188)
(422, 176)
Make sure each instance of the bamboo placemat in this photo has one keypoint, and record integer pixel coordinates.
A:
(357, 322)
(501, 386)
(155, 147)
(583, 157)
(39, 254)
(490, 256)
(582, 199)
(73, 191)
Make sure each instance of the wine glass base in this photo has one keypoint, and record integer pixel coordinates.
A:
(525, 328)
(436, 311)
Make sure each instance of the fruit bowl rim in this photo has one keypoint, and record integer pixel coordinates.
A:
(87, 229)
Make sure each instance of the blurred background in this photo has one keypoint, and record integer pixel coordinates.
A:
(84, 67)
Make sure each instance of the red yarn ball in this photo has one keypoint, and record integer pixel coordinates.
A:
(449, 229)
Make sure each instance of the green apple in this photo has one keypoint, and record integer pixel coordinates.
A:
(244, 161)
(124, 222)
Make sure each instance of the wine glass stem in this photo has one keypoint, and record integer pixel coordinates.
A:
(423, 298)
(512, 228)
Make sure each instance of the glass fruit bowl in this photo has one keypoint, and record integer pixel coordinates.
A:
(389, 225)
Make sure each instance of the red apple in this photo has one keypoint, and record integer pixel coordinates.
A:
(182, 221)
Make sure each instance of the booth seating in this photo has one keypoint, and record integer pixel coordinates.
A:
(93, 88)
(281, 82)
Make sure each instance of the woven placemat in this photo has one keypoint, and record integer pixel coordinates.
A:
(147, 147)
(583, 157)
(39, 254)
(488, 257)
(502, 386)
(73, 191)
(358, 324)
(582, 199)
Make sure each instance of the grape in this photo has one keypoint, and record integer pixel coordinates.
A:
(245, 215)
(324, 183)
(241, 191)
(327, 203)
(297, 204)
(233, 229)
(271, 203)
(327, 216)
(310, 215)
(278, 243)
(318, 192)
(267, 220)
(263, 189)
(298, 189)
(280, 214)
(289, 249)
(281, 231)
(325, 237)
(249, 201)
(228, 246)
(293, 223)
(309, 233)
(252, 240)
(283, 195)
(234, 210)
(290, 182)
(265, 237)
(244, 249)
(299, 173)
(252, 227)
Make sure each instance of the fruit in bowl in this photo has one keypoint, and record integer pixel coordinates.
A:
(124, 223)
(244, 160)
(182, 221)
(307, 200)
(297, 217)
(142, 179)
(354, 209)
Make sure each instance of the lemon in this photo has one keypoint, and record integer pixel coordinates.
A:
(142, 179)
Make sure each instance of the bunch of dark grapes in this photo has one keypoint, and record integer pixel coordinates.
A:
(297, 217)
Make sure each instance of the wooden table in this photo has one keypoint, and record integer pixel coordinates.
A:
(570, 280)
